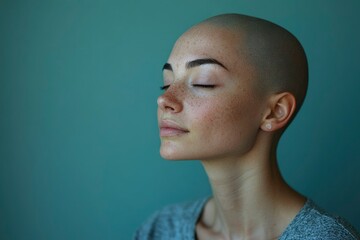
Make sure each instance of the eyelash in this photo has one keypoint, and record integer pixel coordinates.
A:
(194, 85)
(164, 87)
(203, 85)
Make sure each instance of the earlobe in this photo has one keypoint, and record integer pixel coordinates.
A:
(282, 107)
(268, 126)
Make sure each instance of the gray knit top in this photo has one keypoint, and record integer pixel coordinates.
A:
(178, 222)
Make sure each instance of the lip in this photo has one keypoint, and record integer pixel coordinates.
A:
(170, 128)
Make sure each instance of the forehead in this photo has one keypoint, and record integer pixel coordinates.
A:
(207, 41)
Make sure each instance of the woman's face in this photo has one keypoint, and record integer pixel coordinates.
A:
(210, 107)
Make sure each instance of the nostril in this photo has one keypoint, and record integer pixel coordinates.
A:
(169, 108)
(169, 103)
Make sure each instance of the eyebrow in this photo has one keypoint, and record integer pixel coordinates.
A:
(196, 63)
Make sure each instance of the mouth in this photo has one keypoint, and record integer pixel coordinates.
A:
(169, 128)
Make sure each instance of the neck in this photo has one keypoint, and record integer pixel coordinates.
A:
(250, 198)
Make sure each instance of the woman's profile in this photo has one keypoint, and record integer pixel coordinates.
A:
(232, 84)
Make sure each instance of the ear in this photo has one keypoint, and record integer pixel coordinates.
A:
(281, 108)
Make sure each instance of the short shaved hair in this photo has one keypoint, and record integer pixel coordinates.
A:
(277, 56)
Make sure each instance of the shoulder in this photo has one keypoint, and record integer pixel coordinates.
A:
(312, 222)
(175, 221)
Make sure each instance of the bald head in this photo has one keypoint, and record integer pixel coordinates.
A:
(277, 57)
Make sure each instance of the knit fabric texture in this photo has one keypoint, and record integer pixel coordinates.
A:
(178, 222)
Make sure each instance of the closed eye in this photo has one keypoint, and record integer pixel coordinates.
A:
(203, 85)
(165, 87)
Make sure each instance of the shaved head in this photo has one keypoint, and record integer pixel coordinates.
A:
(233, 80)
(278, 59)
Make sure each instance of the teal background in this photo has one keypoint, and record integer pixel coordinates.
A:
(78, 131)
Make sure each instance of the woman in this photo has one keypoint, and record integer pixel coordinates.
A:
(232, 84)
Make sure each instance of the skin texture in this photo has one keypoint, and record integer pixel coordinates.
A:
(234, 122)
(215, 117)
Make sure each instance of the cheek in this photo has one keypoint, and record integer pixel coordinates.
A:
(204, 114)
(221, 114)
(229, 125)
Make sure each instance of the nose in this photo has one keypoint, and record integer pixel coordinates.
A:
(169, 101)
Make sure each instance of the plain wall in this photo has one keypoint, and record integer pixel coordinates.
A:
(78, 131)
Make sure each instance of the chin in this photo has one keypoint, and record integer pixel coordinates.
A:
(168, 155)
(170, 151)
(172, 154)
